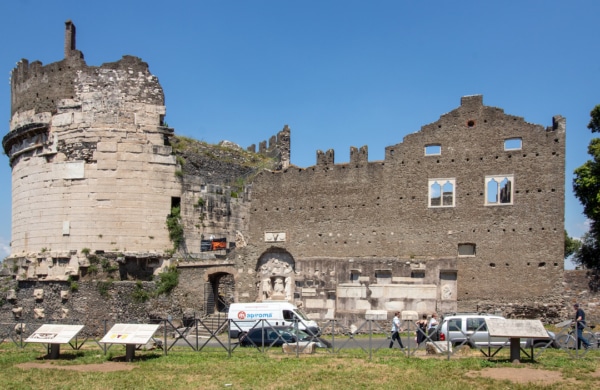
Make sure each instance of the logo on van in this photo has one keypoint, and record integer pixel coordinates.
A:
(260, 315)
(241, 315)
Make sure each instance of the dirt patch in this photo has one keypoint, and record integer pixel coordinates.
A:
(519, 375)
(102, 367)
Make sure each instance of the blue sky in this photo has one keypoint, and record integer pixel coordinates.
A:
(339, 73)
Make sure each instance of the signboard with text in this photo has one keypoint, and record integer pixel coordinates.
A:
(130, 334)
(54, 334)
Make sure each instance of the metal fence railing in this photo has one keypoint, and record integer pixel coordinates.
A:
(369, 338)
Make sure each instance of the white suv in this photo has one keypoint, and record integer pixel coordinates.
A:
(471, 330)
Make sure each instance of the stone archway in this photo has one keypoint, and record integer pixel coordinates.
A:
(275, 272)
(219, 291)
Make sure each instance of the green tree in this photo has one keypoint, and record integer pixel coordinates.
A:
(586, 186)
(572, 245)
(587, 254)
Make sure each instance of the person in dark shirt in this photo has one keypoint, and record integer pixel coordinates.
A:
(580, 325)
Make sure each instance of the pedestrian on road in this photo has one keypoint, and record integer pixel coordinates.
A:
(396, 329)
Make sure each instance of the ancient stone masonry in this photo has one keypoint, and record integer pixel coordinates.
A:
(91, 168)
(478, 188)
(465, 214)
(279, 147)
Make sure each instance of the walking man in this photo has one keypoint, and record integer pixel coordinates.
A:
(580, 324)
(396, 329)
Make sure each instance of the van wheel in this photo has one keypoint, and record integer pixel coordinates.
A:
(241, 336)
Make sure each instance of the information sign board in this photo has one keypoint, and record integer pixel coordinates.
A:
(54, 334)
(130, 334)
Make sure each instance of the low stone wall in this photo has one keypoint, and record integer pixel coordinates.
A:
(94, 302)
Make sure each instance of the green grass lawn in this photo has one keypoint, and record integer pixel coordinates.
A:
(247, 368)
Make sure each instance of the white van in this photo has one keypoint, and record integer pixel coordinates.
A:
(245, 316)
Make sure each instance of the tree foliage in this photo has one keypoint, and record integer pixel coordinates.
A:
(594, 124)
(587, 253)
(586, 186)
(167, 280)
(572, 245)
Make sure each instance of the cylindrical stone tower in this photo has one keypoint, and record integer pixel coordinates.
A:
(91, 162)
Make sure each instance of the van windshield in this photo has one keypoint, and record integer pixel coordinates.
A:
(300, 314)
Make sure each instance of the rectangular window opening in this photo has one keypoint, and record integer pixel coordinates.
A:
(433, 150)
(466, 249)
(383, 276)
(513, 144)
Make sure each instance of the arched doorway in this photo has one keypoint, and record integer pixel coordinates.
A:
(219, 292)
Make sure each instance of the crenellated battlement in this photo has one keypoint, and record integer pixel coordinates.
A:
(40, 88)
(277, 147)
(325, 158)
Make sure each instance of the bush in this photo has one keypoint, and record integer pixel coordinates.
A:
(73, 284)
(168, 280)
(103, 288)
(92, 269)
(175, 227)
(139, 295)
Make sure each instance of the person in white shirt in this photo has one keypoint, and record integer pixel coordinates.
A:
(396, 329)
(433, 323)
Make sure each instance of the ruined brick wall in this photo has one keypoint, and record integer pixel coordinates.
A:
(381, 209)
(209, 210)
(91, 167)
(278, 147)
(95, 302)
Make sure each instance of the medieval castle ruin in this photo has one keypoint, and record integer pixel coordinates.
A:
(465, 214)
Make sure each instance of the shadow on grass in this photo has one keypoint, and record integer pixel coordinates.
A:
(140, 358)
(63, 356)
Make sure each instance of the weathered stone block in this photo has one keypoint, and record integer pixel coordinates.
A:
(17, 312)
(38, 294)
(410, 315)
(376, 315)
(11, 295)
(62, 119)
(303, 347)
(38, 313)
(107, 147)
(437, 347)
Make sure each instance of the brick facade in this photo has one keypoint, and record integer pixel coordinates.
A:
(467, 212)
